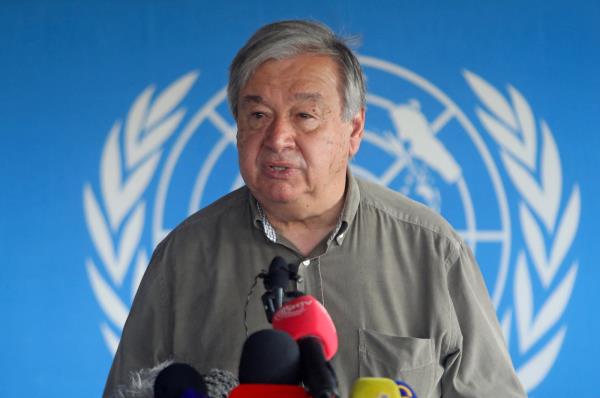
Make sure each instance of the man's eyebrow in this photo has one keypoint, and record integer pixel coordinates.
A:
(308, 96)
(257, 99)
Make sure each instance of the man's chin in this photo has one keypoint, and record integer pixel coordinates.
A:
(281, 198)
(277, 196)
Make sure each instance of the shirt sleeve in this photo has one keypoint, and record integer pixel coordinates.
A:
(479, 365)
(147, 338)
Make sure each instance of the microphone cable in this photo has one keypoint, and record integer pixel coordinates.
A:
(250, 292)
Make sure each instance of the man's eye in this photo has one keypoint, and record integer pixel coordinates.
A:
(258, 115)
(303, 115)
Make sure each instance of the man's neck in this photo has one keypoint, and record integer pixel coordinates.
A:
(305, 228)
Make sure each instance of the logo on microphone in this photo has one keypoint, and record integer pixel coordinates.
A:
(495, 175)
(292, 310)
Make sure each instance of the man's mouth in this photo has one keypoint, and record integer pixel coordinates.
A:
(278, 168)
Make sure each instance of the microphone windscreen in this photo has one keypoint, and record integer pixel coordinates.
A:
(141, 382)
(305, 316)
(179, 380)
(268, 391)
(219, 383)
(375, 387)
(279, 275)
(270, 357)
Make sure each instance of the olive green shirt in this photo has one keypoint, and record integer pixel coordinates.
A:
(403, 289)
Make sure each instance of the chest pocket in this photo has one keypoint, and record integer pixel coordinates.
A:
(400, 358)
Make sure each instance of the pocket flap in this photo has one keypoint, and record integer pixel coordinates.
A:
(409, 359)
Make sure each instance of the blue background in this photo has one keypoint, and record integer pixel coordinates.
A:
(69, 70)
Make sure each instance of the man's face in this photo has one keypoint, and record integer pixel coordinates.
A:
(293, 145)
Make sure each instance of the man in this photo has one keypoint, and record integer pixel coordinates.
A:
(403, 289)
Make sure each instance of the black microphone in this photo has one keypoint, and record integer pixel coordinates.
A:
(179, 380)
(269, 367)
(270, 357)
(276, 282)
(318, 375)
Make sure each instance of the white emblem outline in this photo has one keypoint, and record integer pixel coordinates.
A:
(149, 125)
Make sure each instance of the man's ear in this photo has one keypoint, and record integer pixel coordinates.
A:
(357, 133)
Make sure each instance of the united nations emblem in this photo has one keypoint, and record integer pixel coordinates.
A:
(498, 181)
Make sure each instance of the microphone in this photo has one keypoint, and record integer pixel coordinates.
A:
(405, 389)
(268, 391)
(269, 367)
(308, 322)
(318, 375)
(179, 380)
(141, 384)
(305, 316)
(374, 387)
(270, 357)
(276, 282)
(377, 387)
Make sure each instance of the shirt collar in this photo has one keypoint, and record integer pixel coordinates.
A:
(350, 207)
(261, 217)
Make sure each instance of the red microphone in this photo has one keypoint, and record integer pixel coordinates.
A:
(268, 391)
(305, 316)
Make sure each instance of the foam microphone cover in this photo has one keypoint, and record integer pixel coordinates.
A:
(279, 275)
(179, 380)
(270, 357)
(305, 316)
(375, 387)
(219, 383)
(268, 391)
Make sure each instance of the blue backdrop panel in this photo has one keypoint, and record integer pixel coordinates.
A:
(115, 127)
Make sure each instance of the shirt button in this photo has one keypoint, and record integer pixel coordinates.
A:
(306, 263)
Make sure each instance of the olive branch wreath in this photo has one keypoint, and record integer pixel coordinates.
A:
(126, 169)
(536, 173)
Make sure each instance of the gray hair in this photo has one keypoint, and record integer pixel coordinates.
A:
(286, 39)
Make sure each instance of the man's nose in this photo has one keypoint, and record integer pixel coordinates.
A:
(281, 135)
